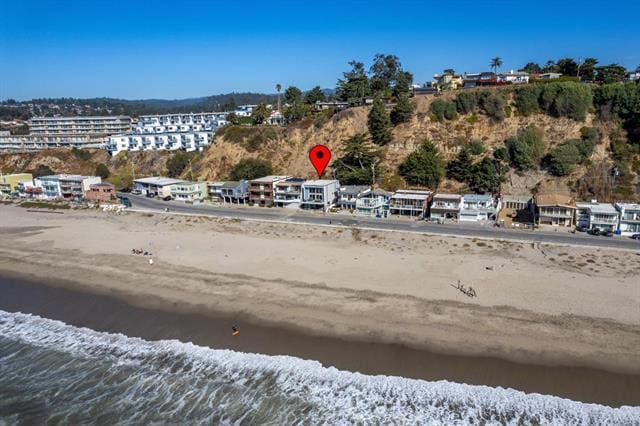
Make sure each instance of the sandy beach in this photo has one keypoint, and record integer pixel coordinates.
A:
(545, 305)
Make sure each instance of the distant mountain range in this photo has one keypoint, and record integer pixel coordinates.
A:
(11, 109)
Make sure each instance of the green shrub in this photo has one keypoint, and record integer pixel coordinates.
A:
(526, 99)
(526, 149)
(493, 105)
(562, 159)
(444, 110)
(102, 170)
(476, 147)
(466, 102)
(424, 166)
(81, 154)
(250, 168)
(472, 119)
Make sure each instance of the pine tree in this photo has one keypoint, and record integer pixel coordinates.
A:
(402, 111)
(461, 167)
(423, 167)
(379, 123)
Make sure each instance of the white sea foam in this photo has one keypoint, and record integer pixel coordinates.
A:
(169, 379)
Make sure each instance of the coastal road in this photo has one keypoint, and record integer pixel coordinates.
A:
(468, 230)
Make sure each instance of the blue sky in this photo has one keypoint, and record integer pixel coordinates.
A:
(161, 49)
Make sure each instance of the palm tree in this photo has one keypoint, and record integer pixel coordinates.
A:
(496, 63)
(278, 89)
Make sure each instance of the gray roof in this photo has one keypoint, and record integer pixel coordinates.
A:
(231, 184)
(476, 198)
(353, 189)
(158, 181)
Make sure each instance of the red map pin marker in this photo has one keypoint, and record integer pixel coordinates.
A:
(320, 156)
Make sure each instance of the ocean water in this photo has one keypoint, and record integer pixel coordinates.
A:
(54, 373)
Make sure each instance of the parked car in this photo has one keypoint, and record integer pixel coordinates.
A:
(606, 233)
(167, 198)
(635, 237)
(581, 229)
(594, 231)
(125, 190)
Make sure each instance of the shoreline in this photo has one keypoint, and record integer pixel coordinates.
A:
(111, 314)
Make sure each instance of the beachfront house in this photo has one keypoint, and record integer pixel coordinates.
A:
(596, 215)
(349, 194)
(235, 192)
(50, 187)
(555, 209)
(410, 202)
(189, 191)
(319, 194)
(373, 204)
(214, 190)
(288, 192)
(9, 183)
(154, 186)
(28, 189)
(629, 218)
(101, 192)
(478, 207)
(262, 190)
(73, 187)
(515, 211)
(446, 206)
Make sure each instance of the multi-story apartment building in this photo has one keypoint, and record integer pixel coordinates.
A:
(262, 190)
(288, 192)
(555, 209)
(409, 202)
(629, 218)
(67, 132)
(102, 192)
(446, 206)
(96, 125)
(319, 194)
(188, 132)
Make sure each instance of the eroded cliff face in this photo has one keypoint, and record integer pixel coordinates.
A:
(287, 149)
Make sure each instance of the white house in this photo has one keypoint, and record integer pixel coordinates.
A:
(373, 204)
(477, 207)
(596, 215)
(629, 218)
(288, 192)
(514, 77)
(319, 194)
(64, 186)
(446, 206)
(155, 186)
(349, 194)
(214, 190)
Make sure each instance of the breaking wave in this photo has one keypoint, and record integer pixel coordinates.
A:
(56, 373)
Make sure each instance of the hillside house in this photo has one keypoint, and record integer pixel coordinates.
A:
(514, 77)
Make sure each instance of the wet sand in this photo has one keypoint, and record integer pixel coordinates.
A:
(105, 313)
